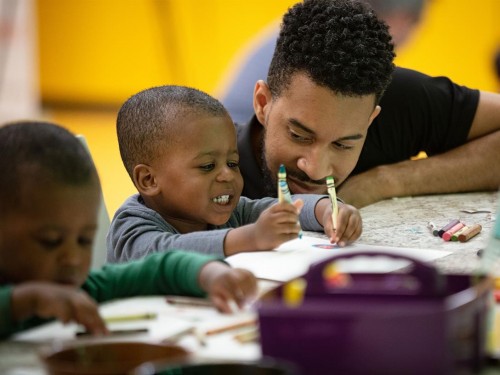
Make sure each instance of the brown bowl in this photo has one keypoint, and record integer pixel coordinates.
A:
(113, 358)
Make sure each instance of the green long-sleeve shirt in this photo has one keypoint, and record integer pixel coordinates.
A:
(162, 273)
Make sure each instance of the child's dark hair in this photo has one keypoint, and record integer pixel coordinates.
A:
(32, 149)
(338, 44)
(146, 116)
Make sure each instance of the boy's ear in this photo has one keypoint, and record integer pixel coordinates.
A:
(145, 180)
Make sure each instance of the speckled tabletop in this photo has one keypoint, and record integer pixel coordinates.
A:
(403, 222)
(398, 222)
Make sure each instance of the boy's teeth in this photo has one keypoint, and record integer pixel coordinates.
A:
(222, 199)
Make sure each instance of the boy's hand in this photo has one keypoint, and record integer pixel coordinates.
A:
(50, 300)
(349, 223)
(277, 224)
(225, 284)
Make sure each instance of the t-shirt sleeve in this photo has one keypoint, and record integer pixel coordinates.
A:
(175, 272)
(419, 113)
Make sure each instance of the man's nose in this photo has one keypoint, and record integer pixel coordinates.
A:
(316, 164)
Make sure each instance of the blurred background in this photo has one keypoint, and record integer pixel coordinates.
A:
(75, 62)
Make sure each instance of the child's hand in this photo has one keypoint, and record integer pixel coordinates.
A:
(349, 223)
(277, 224)
(50, 300)
(225, 284)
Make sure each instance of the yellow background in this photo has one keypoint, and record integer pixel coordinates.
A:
(99, 52)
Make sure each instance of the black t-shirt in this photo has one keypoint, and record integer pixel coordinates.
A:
(419, 113)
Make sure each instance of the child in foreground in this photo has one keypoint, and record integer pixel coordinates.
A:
(49, 202)
(178, 145)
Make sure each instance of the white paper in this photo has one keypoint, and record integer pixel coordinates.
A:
(293, 258)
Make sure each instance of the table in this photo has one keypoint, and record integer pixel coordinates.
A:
(403, 222)
(400, 222)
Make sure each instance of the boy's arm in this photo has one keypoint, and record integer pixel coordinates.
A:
(174, 272)
(134, 234)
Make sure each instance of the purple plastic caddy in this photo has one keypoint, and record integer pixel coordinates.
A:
(416, 322)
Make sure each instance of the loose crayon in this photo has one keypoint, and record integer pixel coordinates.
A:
(471, 232)
(455, 235)
(447, 235)
(433, 228)
(448, 226)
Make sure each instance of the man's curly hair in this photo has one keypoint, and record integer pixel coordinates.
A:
(339, 44)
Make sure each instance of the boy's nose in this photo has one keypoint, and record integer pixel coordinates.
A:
(225, 174)
(71, 256)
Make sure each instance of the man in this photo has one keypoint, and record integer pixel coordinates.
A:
(327, 108)
(401, 16)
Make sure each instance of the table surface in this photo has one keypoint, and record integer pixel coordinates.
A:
(400, 222)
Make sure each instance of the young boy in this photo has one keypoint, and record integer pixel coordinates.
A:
(178, 145)
(49, 201)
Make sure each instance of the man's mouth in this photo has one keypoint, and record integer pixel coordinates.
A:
(305, 187)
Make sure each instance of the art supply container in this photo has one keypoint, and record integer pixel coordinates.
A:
(416, 321)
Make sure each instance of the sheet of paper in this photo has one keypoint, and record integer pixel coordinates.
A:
(171, 320)
(293, 258)
(166, 325)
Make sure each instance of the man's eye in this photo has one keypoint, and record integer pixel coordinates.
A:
(298, 138)
(207, 167)
(342, 146)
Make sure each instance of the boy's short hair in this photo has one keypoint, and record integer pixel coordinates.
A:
(338, 44)
(146, 120)
(32, 149)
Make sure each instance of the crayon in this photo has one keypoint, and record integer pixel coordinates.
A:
(283, 190)
(116, 332)
(447, 235)
(330, 184)
(247, 336)
(245, 323)
(128, 318)
(455, 235)
(189, 301)
(469, 233)
(433, 228)
(450, 225)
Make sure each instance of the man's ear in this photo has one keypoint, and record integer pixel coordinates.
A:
(145, 180)
(374, 114)
(261, 99)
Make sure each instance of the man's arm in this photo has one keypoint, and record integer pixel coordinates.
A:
(473, 166)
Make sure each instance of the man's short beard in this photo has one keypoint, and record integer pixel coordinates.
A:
(269, 180)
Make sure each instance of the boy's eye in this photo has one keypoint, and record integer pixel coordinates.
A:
(207, 167)
(86, 241)
(50, 243)
(233, 164)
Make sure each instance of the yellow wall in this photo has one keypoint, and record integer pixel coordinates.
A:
(106, 50)
(103, 51)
